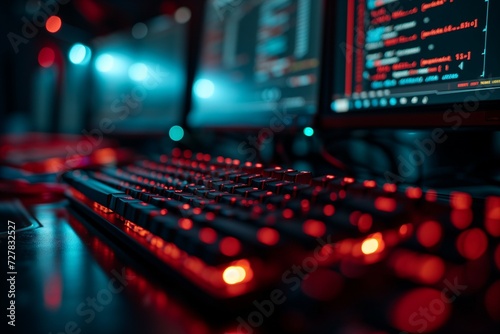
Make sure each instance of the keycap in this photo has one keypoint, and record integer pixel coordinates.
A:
(95, 190)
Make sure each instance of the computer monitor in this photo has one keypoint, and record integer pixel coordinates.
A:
(259, 64)
(413, 63)
(139, 78)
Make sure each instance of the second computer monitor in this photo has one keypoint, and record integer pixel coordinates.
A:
(407, 63)
(259, 64)
(139, 78)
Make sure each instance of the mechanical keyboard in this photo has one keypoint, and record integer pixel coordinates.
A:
(231, 229)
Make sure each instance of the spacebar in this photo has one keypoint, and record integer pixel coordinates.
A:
(94, 190)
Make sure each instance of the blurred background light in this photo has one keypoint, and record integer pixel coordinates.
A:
(53, 24)
(204, 88)
(104, 63)
(309, 132)
(46, 57)
(182, 15)
(138, 72)
(79, 54)
(176, 133)
(139, 30)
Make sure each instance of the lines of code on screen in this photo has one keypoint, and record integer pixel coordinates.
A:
(415, 52)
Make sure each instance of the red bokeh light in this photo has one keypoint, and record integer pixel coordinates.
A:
(46, 57)
(208, 235)
(370, 184)
(460, 200)
(268, 236)
(168, 8)
(385, 204)
(472, 243)
(405, 314)
(230, 246)
(462, 218)
(492, 216)
(314, 228)
(429, 233)
(431, 195)
(53, 24)
(389, 187)
(185, 223)
(287, 213)
(365, 222)
(328, 210)
(420, 268)
(91, 10)
(413, 192)
(431, 270)
(52, 292)
(492, 301)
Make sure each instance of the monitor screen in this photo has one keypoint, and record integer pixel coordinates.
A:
(420, 55)
(139, 77)
(259, 64)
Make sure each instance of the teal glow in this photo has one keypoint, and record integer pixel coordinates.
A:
(309, 132)
(138, 72)
(176, 133)
(79, 54)
(105, 63)
(204, 88)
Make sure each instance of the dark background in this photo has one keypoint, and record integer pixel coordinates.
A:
(82, 21)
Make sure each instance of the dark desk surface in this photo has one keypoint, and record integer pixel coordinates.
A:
(70, 281)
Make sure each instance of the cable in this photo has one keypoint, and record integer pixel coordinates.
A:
(332, 160)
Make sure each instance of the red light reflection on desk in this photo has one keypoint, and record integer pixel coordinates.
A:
(150, 296)
(52, 292)
(405, 314)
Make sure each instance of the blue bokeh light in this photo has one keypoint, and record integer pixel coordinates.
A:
(176, 133)
(309, 132)
(79, 54)
(138, 72)
(204, 88)
(104, 63)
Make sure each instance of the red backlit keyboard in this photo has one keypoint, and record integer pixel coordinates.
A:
(231, 229)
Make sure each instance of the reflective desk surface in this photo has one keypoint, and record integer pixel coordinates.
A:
(70, 281)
